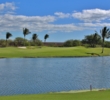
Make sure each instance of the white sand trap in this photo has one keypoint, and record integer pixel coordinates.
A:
(22, 47)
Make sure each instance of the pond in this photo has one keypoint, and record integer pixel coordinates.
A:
(43, 75)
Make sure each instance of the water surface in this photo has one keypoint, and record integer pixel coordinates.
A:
(42, 75)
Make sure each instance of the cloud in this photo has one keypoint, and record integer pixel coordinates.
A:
(94, 25)
(62, 15)
(92, 15)
(63, 27)
(36, 23)
(7, 8)
(10, 6)
(11, 22)
(16, 22)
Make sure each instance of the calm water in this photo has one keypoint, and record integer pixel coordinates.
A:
(41, 75)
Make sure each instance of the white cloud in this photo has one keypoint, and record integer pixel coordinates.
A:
(62, 15)
(16, 22)
(63, 27)
(92, 15)
(10, 22)
(7, 7)
(36, 23)
(41, 23)
(94, 25)
(10, 6)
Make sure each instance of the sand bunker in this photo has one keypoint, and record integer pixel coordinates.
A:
(22, 47)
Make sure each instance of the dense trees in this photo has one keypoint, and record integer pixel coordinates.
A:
(71, 43)
(19, 41)
(92, 40)
(2, 43)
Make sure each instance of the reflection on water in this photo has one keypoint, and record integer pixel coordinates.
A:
(41, 75)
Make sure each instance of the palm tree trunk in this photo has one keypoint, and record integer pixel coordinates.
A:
(103, 46)
(24, 40)
(34, 43)
(44, 41)
(102, 49)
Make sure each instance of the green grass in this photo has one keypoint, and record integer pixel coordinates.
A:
(94, 95)
(14, 52)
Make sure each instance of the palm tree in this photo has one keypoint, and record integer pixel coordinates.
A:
(25, 32)
(105, 33)
(34, 37)
(8, 35)
(45, 37)
(96, 38)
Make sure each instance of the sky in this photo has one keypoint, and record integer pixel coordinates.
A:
(61, 19)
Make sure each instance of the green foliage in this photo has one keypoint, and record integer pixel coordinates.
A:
(71, 43)
(27, 43)
(92, 40)
(107, 44)
(76, 43)
(34, 37)
(2, 43)
(26, 31)
(37, 42)
(19, 41)
(8, 35)
(105, 33)
(68, 43)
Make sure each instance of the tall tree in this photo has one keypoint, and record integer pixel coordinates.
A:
(92, 39)
(8, 35)
(96, 38)
(45, 37)
(105, 33)
(25, 32)
(34, 37)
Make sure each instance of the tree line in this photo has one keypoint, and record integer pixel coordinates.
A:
(19, 41)
(92, 40)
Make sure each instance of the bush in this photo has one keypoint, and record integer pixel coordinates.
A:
(71, 43)
(68, 43)
(2, 43)
(19, 41)
(76, 43)
(107, 44)
(36, 43)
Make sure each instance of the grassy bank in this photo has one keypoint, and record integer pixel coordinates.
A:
(14, 52)
(94, 95)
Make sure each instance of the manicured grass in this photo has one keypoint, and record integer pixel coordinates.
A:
(95, 95)
(14, 52)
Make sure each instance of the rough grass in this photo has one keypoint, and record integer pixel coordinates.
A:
(94, 95)
(14, 52)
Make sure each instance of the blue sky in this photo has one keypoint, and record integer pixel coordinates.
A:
(61, 19)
